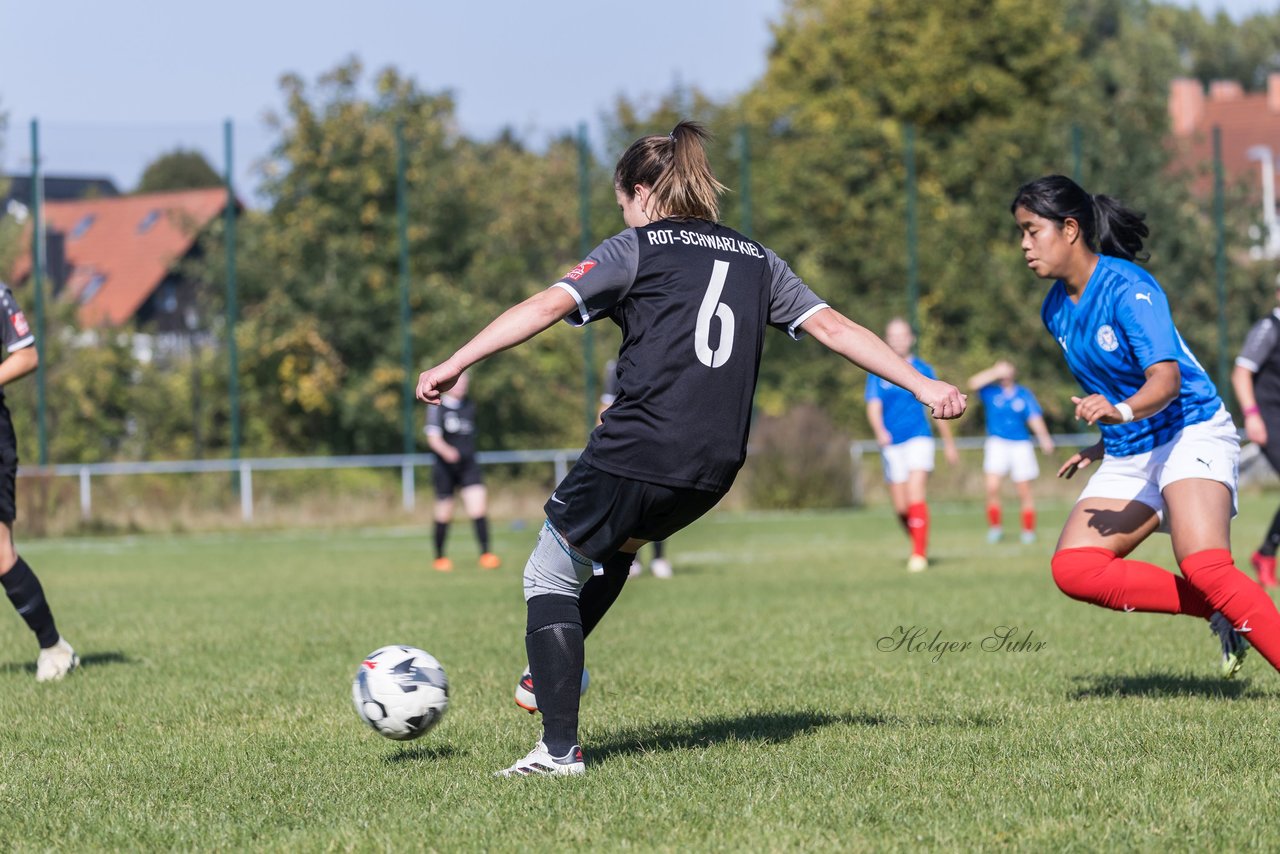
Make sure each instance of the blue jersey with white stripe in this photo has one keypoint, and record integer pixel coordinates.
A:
(1007, 410)
(904, 416)
(1121, 327)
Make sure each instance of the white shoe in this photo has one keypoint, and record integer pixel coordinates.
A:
(1028, 537)
(660, 567)
(539, 761)
(56, 662)
(995, 535)
(635, 570)
(528, 700)
(917, 563)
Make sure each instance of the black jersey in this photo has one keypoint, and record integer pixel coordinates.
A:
(15, 334)
(454, 420)
(1261, 355)
(693, 299)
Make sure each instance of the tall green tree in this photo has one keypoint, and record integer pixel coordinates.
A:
(180, 169)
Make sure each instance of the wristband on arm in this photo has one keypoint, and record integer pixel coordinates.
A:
(1126, 412)
(1251, 410)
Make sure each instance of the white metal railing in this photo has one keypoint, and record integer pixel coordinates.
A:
(407, 463)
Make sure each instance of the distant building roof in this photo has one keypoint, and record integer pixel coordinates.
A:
(119, 250)
(1247, 119)
(60, 188)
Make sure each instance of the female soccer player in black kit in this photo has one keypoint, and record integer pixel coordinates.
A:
(692, 298)
(56, 658)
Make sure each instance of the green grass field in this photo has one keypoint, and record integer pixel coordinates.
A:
(743, 705)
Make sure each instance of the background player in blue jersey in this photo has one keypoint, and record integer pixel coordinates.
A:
(1012, 415)
(1169, 448)
(1256, 380)
(906, 443)
(693, 299)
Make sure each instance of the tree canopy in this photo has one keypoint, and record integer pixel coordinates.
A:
(991, 92)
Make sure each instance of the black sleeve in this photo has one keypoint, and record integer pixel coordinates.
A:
(16, 334)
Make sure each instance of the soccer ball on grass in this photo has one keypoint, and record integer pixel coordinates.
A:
(400, 691)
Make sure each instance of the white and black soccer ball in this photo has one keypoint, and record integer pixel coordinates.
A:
(400, 691)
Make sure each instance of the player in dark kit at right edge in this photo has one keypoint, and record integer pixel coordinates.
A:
(56, 658)
(693, 299)
(1256, 380)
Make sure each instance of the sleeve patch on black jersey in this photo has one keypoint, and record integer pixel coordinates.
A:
(579, 271)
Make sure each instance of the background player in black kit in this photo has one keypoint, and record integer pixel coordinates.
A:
(1256, 380)
(56, 658)
(451, 434)
(692, 298)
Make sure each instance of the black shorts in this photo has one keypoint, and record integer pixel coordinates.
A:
(8, 467)
(597, 512)
(449, 477)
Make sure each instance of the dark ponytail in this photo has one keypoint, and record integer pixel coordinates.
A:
(1107, 225)
(676, 170)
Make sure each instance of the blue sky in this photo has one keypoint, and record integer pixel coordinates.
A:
(116, 84)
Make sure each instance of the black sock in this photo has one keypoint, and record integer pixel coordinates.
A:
(442, 531)
(482, 532)
(27, 596)
(597, 596)
(554, 644)
(1272, 541)
(659, 546)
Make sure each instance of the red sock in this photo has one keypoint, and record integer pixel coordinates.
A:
(993, 515)
(1029, 520)
(1099, 577)
(918, 527)
(1244, 603)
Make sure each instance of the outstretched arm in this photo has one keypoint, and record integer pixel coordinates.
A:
(18, 364)
(993, 374)
(1041, 432)
(864, 348)
(514, 326)
(1164, 380)
(1242, 383)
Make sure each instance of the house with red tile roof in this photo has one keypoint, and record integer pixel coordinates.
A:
(1250, 128)
(123, 258)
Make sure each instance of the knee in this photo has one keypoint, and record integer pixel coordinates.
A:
(1076, 570)
(553, 569)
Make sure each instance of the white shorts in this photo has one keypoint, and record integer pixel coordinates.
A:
(1013, 457)
(1208, 450)
(901, 459)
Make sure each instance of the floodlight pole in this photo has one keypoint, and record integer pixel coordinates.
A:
(1271, 243)
(406, 343)
(584, 247)
(37, 281)
(913, 263)
(233, 365)
(1220, 256)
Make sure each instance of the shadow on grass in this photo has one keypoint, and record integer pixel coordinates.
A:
(1157, 684)
(766, 727)
(92, 659)
(421, 753)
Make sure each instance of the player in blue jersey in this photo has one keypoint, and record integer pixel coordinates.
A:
(693, 299)
(1169, 449)
(1012, 415)
(906, 443)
